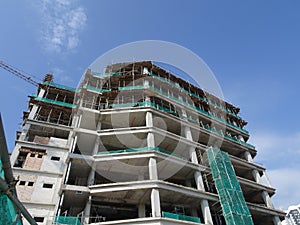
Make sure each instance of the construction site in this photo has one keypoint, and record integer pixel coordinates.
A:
(136, 145)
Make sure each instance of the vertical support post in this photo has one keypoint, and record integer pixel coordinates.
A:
(87, 210)
(68, 172)
(96, 146)
(257, 176)
(149, 119)
(206, 212)
(142, 210)
(150, 136)
(153, 169)
(91, 178)
(198, 179)
(155, 203)
(60, 203)
(73, 146)
(248, 156)
(267, 199)
(35, 107)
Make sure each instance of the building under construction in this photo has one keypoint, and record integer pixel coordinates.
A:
(138, 145)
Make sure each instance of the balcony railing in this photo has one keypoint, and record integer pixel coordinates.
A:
(163, 109)
(151, 87)
(194, 95)
(140, 150)
(59, 86)
(51, 101)
(181, 217)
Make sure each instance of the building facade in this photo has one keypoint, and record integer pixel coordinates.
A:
(292, 215)
(138, 145)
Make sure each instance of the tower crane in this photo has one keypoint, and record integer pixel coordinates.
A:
(18, 73)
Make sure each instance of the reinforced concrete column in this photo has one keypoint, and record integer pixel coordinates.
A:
(150, 140)
(87, 210)
(35, 107)
(153, 169)
(206, 212)
(248, 156)
(91, 178)
(155, 203)
(146, 83)
(73, 144)
(257, 176)
(155, 200)
(150, 136)
(142, 210)
(198, 179)
(267, 199)
(96, 146)
(68, 171)
(24, 132)
(149, 119)
(60, 203)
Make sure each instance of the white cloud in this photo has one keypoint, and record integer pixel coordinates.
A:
(287, 183)
(280, 154)
(277, 149)
(62, 22)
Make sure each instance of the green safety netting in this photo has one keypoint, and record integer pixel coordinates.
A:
(59, 86)
(181, 217)
(51, 101)
(139, 150)
(7, 209)
(234, 207)
(173, 84)
(151, 87)
(161, 108)
(67, 220)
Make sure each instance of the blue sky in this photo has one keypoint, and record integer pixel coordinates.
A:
(253, 48)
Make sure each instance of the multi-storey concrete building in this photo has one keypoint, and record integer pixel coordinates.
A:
(293, 215)
(131, 146)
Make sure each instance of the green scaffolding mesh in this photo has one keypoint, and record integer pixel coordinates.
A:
(7, 209)
(231, 197)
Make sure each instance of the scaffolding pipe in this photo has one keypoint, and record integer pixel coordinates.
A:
(7, 186)
(5, 157)
(6, 190)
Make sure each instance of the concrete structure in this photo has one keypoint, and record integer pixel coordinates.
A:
(131, 149)
(292, 215)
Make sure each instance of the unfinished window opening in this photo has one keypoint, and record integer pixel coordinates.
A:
(102, 211)
(42, 135)
(22, 182)
(55, 158)
(39, 219)
(58, 95)
(45, 185)
(21, 159)
(30, 183)
(55, 115)
(27, 158)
